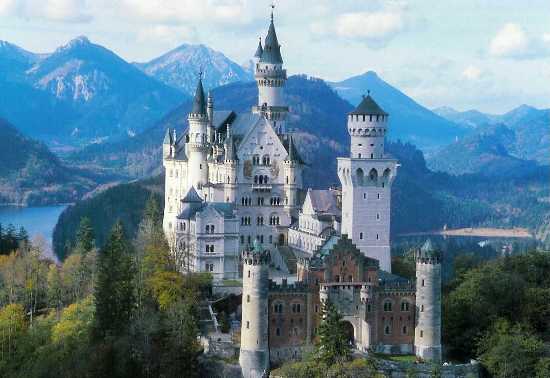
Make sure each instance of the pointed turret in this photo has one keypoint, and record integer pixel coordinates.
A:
(259, 50)
(229, 146)
(272, 50)
(167, 137)
(290, 149)
(199, 104)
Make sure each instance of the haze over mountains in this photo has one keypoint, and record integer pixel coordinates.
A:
(31, 175)
(496, 141)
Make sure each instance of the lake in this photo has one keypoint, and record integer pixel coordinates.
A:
(36, 220)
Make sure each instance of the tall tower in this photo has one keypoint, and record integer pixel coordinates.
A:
(197, 145)
(230, 161)
(427, 333)
(293, 177)
(366, 177)
(254, 355)
(271, 78)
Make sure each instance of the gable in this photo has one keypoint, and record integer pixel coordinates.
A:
(307, 208)
(261, 139)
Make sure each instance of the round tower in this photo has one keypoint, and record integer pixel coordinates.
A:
(197, 145)
(427, 333)
(230, 161)
(254, 354)
(291, 167)
(271, 78)
(210, 114)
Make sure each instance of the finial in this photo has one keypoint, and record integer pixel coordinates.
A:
(272, 8)
(368, 92)
(200, 73)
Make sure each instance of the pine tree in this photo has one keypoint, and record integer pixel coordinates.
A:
(333, 344)
(114, 296)
(85, 239)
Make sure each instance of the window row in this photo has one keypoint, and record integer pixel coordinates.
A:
(405, 306)
(209, 228)
(260, 179)
(265, 160)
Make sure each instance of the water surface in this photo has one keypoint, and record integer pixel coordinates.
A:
(39, 220)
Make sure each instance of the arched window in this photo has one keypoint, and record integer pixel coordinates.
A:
(404, 330)
(404, 306)
(373, 174)
(387, 305)
(387, 330)
(360, 176)
(256, 179)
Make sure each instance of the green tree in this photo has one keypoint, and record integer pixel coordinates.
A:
(114, 295)
(85, 239)
(509, 351)
(333, 343)
(542, 369)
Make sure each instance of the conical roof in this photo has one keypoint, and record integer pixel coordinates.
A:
(259, 50)
(368, 107)
(192, 196)
(272, 49)
(167, 137)
(199, 104)
(229, 146)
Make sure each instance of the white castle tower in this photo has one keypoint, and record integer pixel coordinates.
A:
(198, 144)
(366, 177)
(271, 77)
(427, 333)
(254, 354)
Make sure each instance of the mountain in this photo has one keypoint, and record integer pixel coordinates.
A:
(470, 118)
(409, 121)
(80, 93)
(14, 60)
(484, 153)
(530, 125)
(31, 175)
(179, 68)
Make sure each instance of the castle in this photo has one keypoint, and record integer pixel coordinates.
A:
(233, 199)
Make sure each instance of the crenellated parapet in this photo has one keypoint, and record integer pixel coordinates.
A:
(255, 257)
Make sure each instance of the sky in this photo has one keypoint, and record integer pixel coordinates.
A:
(490, 55)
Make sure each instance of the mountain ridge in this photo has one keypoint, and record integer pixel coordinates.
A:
(178, 68)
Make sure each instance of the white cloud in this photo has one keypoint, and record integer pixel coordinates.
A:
(512, 41)
(178, 11)
(50, 10)
(375, 28)
(167, 35)
(471, 73)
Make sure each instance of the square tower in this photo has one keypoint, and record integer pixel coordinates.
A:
(366, 177)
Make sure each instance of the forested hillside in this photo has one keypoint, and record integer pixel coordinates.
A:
(31, 175)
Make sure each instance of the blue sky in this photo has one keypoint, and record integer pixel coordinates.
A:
(490, 55)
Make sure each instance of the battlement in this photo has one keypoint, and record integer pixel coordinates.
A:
(256, 257)
(296, 287)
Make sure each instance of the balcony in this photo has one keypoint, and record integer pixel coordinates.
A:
(262, 187)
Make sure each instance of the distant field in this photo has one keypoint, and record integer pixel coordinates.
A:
(481, 232)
